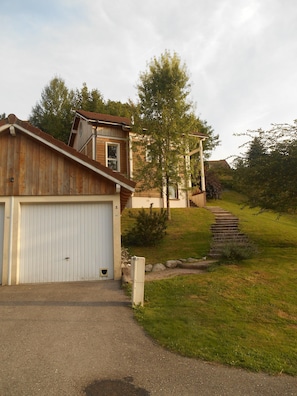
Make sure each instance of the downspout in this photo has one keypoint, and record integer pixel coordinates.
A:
(130, 157)
(94, 151)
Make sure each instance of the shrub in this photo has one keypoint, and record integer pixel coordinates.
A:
(149, 229)
(236, 252)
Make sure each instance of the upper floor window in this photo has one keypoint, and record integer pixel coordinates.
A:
(113, 156)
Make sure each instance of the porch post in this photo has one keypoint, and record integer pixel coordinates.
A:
(202, 166)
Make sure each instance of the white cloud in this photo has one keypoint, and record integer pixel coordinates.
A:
(241, 56)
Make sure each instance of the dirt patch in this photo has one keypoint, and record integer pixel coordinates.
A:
(170, 273)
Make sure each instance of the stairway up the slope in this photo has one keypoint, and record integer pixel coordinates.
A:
(225, 231)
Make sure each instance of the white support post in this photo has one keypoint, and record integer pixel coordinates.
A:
(202, 167)
(138, 275)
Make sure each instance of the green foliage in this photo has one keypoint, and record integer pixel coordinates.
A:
(52, 113)
(234, 252)
(266, 173)
(89, 100)
(148, 230)
(118, 108)
(187, 235)
(213, 185)
(164, 122)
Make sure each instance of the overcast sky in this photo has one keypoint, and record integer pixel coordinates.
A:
(241, 55)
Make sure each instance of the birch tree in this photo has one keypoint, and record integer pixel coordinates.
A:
(165, 120)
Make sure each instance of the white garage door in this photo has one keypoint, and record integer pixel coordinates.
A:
(1, 238)
(66, 242)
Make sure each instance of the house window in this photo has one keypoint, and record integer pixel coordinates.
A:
(113, 156)
(173, 192)
(148, 154)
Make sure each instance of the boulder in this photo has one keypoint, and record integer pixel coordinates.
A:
(148, 268)
(172, 263)
(158, 267)
(192, 260)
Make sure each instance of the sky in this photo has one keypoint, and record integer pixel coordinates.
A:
(241, 55)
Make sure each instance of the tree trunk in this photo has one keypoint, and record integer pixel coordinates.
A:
(167, 199)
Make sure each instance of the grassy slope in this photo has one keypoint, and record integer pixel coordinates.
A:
(188, 235)
(242, 315)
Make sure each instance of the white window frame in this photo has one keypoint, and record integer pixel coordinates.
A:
(173, 192)
(148, 154)
(111, 159)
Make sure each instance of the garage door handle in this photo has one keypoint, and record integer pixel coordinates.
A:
(67, 258)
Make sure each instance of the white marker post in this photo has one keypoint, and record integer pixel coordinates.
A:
(138, 275)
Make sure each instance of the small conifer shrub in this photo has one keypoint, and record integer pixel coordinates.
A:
(148, 230)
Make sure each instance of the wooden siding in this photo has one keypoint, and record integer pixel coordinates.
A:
(112, 132)
(38, 170)
(155, 193)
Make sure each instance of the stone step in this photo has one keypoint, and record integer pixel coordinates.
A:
(226, 221)
(229, 237)
(224, 231)
(220, 229)
(229, 242)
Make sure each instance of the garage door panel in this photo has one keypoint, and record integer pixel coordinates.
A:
(1, 238)
(65, 242)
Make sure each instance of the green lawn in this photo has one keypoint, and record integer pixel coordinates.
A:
(188, 235)
(244, 314)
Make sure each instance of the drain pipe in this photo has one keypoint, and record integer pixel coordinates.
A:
(94, 143)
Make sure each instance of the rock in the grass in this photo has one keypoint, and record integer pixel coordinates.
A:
(158, 267)
(148, 268)
(172, 263)
(192, 260)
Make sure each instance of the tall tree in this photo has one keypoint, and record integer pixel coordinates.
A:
(164, 122)
(89, 100)
(267, 171)
(52, 113)
(256, 151)
(118, 108)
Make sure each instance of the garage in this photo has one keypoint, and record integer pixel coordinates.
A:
(65, 242)
(60, 211)
(1, 238)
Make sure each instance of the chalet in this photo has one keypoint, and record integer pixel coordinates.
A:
(108, 139)
(59, 208)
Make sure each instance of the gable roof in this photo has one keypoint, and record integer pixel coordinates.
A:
(97, 119)
(218, 164)
(104, 118)
(201, 135)
(12, 123)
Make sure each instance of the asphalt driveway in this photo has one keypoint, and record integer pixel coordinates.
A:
(81, 339)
